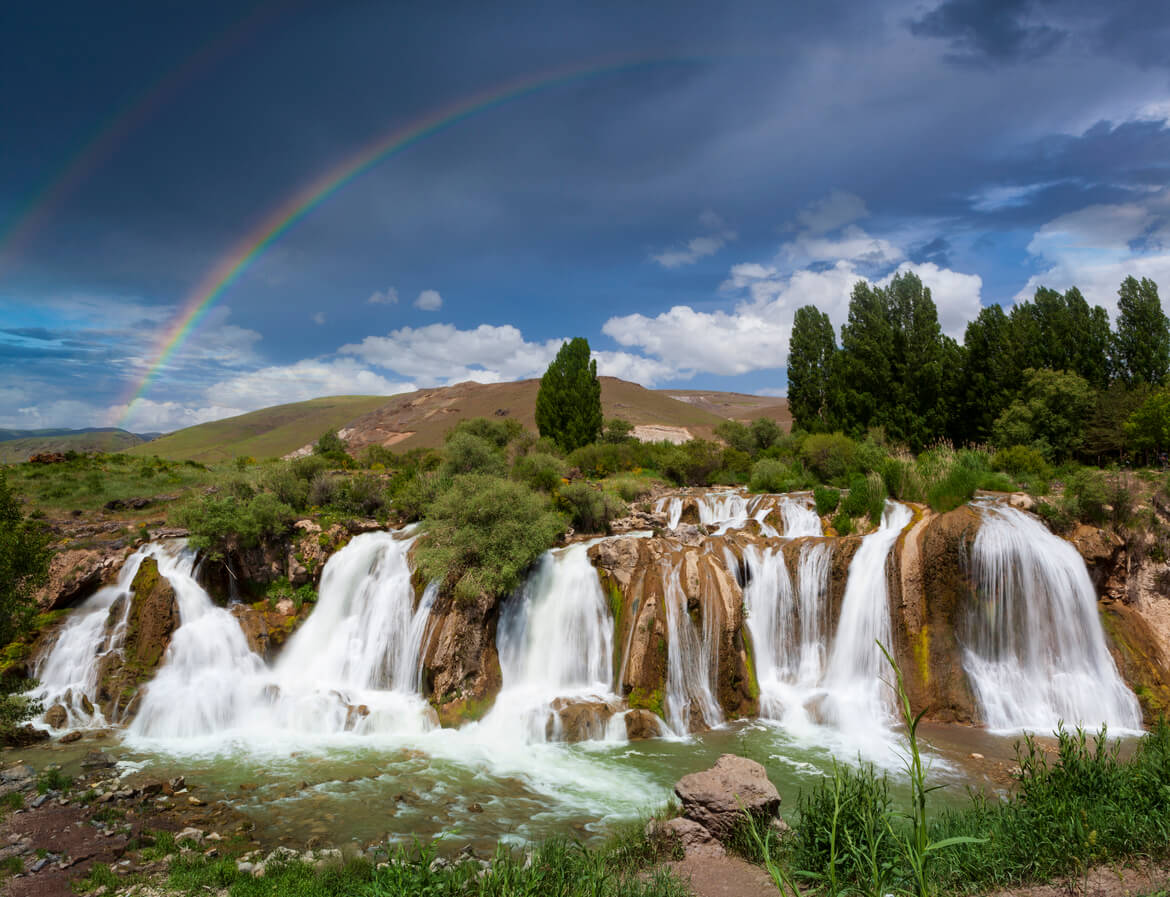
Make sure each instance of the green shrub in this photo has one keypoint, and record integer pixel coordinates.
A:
(467, 453)
(307, 467)
(616, 430)
(603, 459)
(1023, 460)
(362, 494)
(591, 510)
(856, 500)
(902, 480)
(736, 462)
(483, 533)
(282, 482)
(842, 524)
(329, 444)
(414, 495)
(1086, 496)
(539, 471)
(956, 488)
(829, 455)
(323, 490)
(630, 488)
(218, 524)
(765, 433)
(826, 499)
(737, 436)
(693, 463)
(769, 475)
(498, 431)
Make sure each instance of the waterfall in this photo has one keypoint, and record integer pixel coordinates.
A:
(1034, 648)
(691, 661)
(673, 508)
(555, 643)
(198, 687)
(799, 519)
(725, 510)
(67, 673)
(787, 626)
(858, 699)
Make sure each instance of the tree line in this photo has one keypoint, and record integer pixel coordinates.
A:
(1051, 373)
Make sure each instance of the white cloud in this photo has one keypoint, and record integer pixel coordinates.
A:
(1097, 247)
(429, 300)
(388, 296)
(442, 353)
(1006, 196)
(637, 368)
(718, 236)
(319, 318)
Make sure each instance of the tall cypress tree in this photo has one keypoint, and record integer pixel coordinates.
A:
(810, 358)
(1141, 347)
(568, 404)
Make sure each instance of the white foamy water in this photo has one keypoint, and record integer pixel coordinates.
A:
(1035, 651)
(555, 642)
(673, 508)
(68, 671)
(691, 662)
(800, 519)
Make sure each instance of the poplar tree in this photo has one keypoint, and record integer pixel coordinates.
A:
(1141, 346)
(810, 358)
(568, 404)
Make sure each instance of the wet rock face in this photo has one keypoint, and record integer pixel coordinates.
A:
(268, 628)
(461, 669)
(642, 724)
(717, 798)
(580, 720)
(153, 619)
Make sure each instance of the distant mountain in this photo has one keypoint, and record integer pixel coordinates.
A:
(422, 418)
(20, 445)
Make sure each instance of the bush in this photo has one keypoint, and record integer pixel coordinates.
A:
(736, 463)
(364, 495)
(1022, 460)
(737, 436)
(630, 488)
(498, 431)
(956, 488)
(592, 510)
(769, 475)
(323, 490)
(829, 455)
(1086, 496)
(867, 496)
(467, 453)
(483, 533)
(329, 444)
(616, 430)
(842, 524)
(765, 433)
(693, 463)
(283, 482)
(308, 466)
(414, 495)
(902, 480)
(539, 471)
(219, 524)
(826, 499)
(601, 459)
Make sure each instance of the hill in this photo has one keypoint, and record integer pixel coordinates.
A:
(422, 418)
(736, 405)
(270, 432)
(15, 449)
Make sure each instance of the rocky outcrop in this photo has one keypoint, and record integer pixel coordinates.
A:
(76, 574)
(461, 669)
(574, 720)
(153, 618)
(268, 627)
(717, 798)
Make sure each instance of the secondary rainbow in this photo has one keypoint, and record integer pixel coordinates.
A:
(226, 272)
(106, 141)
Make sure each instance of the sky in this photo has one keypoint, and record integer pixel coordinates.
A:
(370, 198)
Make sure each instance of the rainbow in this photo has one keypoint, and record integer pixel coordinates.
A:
(229, 269)
(105, 142)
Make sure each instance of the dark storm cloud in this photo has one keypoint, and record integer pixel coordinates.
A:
(979, 30)
(936, 251)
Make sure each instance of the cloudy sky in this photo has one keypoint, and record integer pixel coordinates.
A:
(670, 181)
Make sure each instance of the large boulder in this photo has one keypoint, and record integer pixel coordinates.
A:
(152, 619)
(76, 574)
(717, 798)
(461, 669)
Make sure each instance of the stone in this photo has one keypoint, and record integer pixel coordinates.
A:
(190, 834)
(70, 737)
(642, 724)
(96, 760)
(1023, 501)
(57, 717)
(694, 839)
(717, 798)
(285, 607)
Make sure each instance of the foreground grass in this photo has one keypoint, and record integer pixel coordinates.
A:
(556, 868)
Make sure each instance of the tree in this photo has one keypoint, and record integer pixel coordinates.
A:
(765, 433)
(24, 565)
(1141, 346)
(617, 431)
(987, 380)
(1061, 333)
(1148, 428)
(810, 358)
(1048, 415)
(568, 404)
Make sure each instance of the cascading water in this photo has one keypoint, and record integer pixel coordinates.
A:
(67, 673)
(198, 687)
(1035, 651)
(673, 508)
(691, 661)
(555, 642)
(724, 510)
(799, 519)
(858, 699)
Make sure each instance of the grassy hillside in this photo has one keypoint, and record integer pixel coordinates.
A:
(422, 418)
(13, 451)
(270, 432)
(736, 405)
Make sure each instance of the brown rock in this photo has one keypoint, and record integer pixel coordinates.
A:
(718, 797)
(692, 837)
(76, 574)
(56, 716)
(461, 669)
(642, 724)
(70, 737)
(575, 721)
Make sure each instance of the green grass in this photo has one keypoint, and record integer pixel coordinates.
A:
(14, 451)
(557, 868)
(268, 433)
